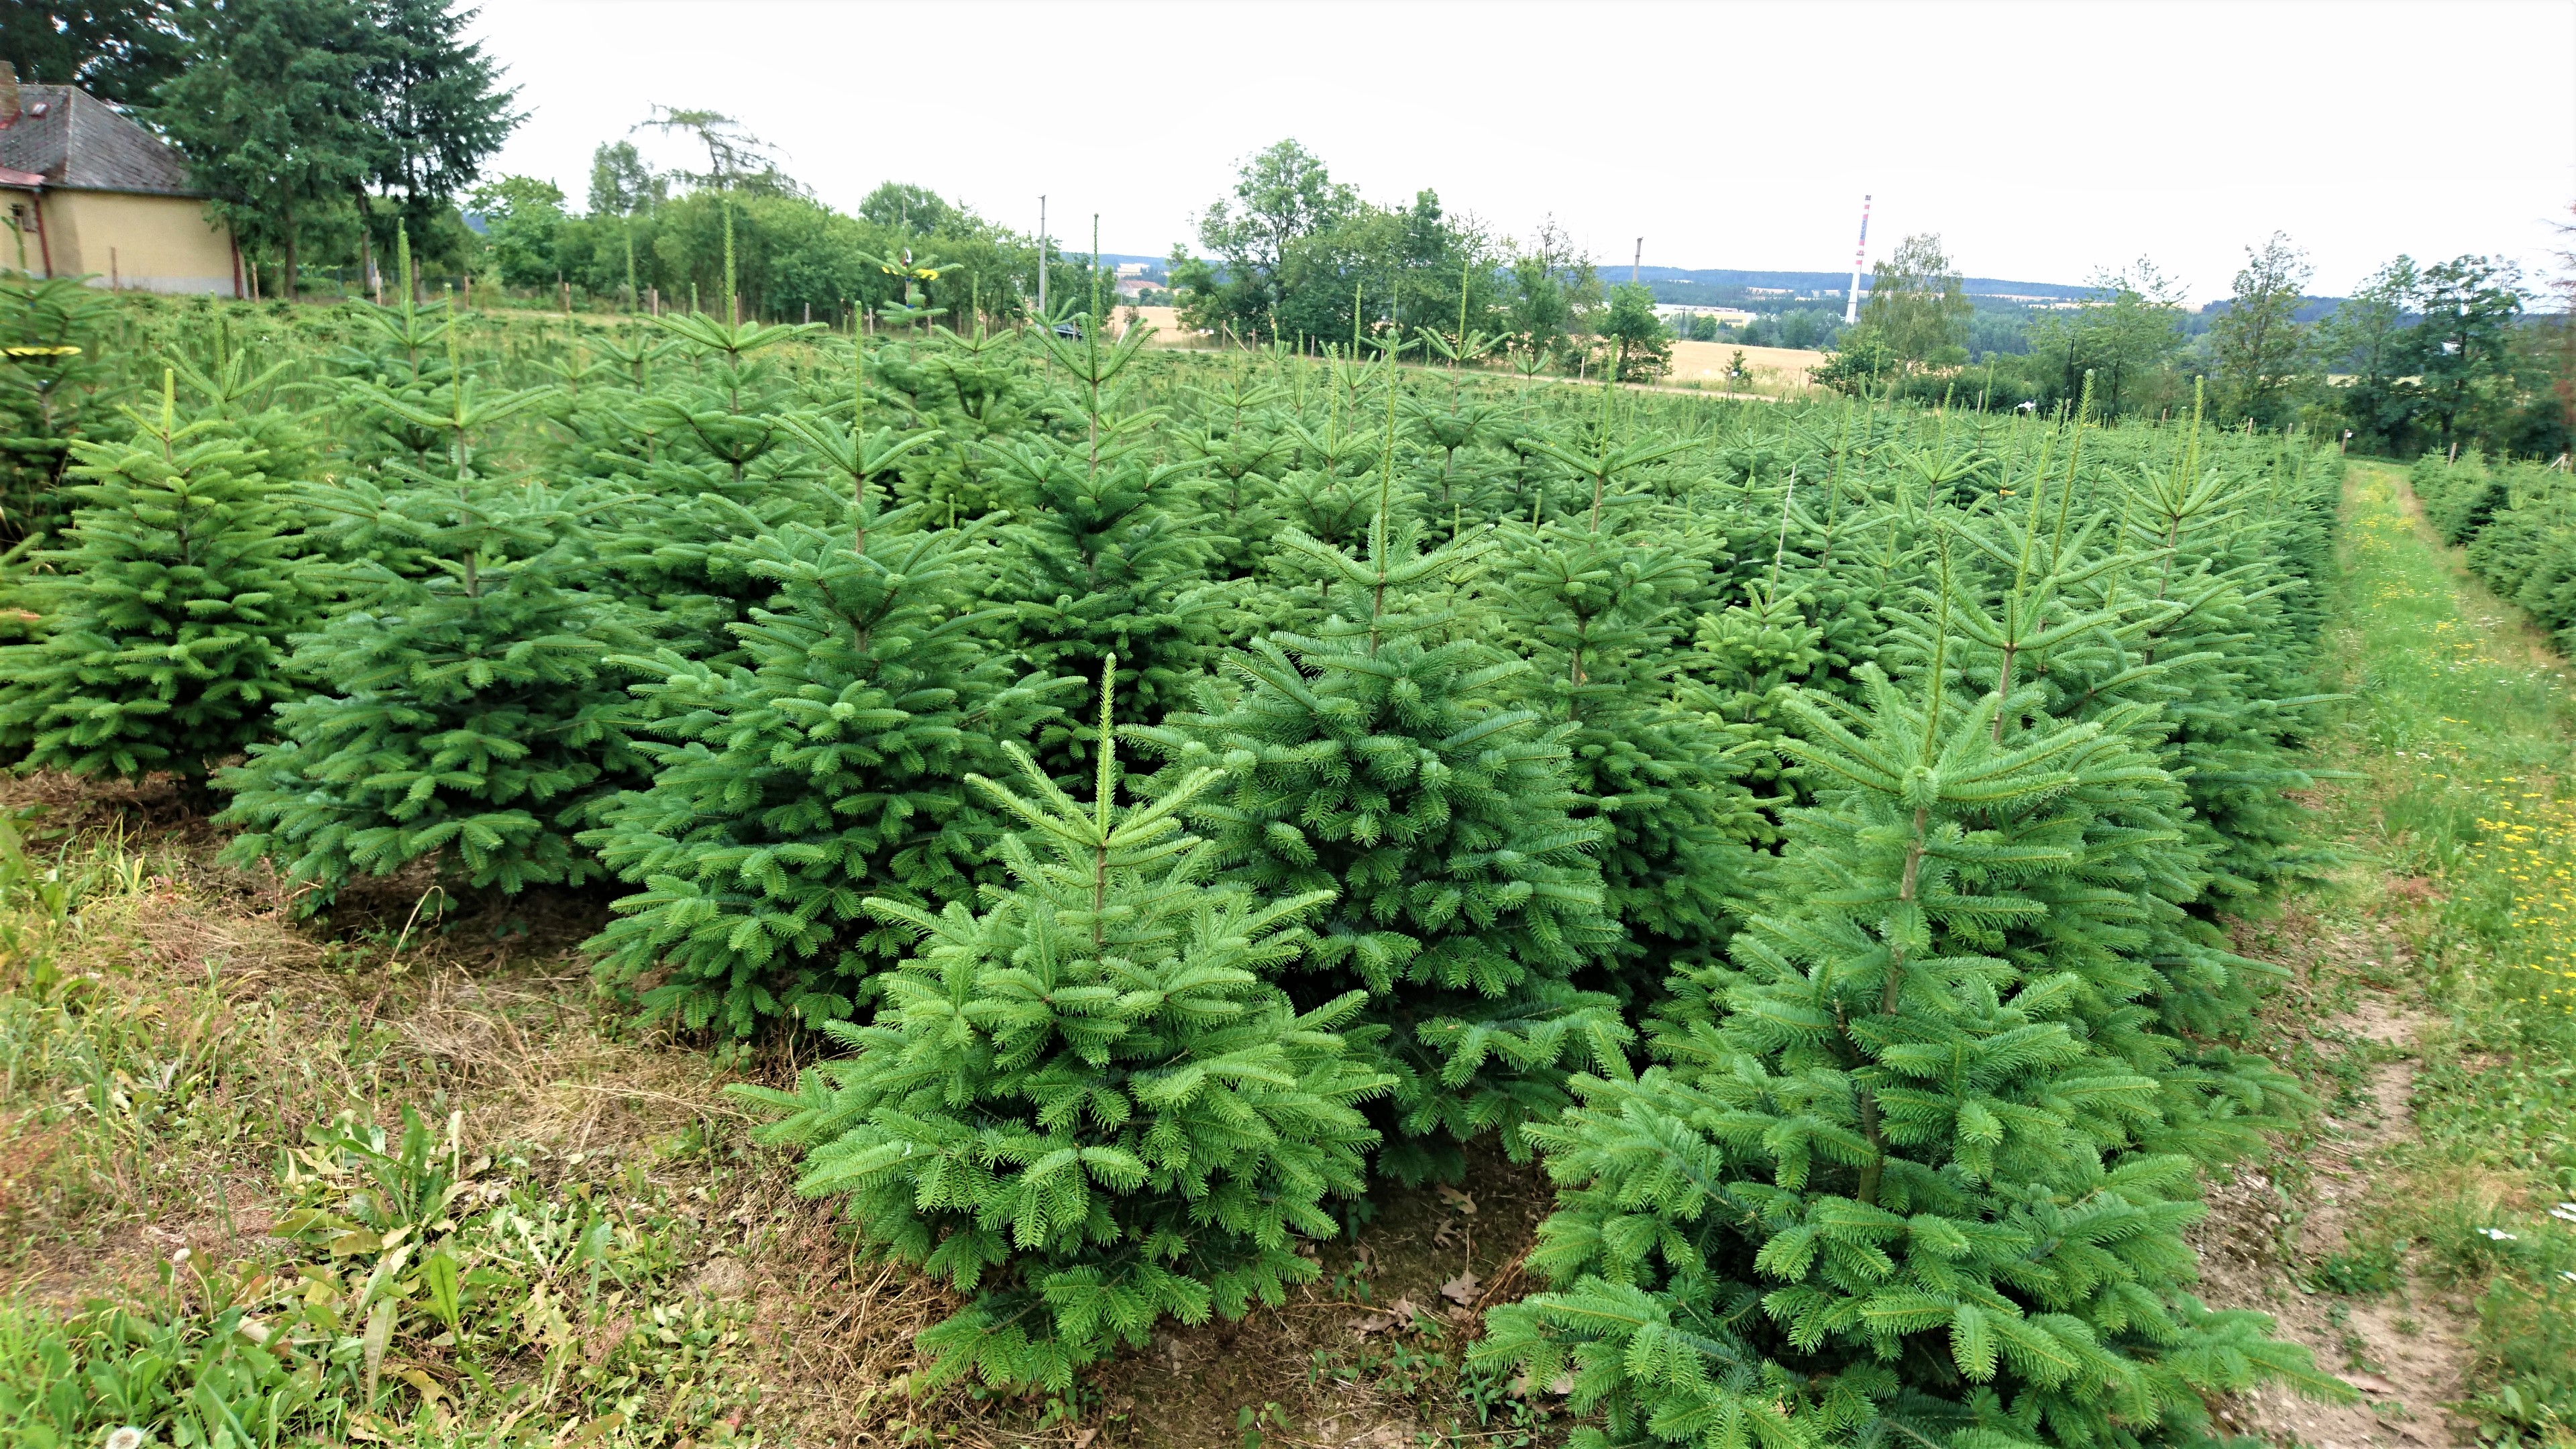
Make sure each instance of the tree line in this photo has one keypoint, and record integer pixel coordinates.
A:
(325, 129)
(2423, 356)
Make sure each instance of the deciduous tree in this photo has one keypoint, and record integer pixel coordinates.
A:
(2258, 346)
(1918, 305)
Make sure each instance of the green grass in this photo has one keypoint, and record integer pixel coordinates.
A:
(2460, 729)
(204, 1233)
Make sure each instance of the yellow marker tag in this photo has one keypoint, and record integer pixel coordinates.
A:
(39, 352)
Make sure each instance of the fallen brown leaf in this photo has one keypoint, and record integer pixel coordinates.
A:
(1461, 1289)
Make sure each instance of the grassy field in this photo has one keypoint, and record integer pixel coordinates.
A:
(2423, 1233)
(217, 1127)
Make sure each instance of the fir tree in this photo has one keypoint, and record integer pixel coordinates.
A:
(1104, 554)
(1381, 757)
(166, 618)
(408, 350)
(2213, 534)
(472, 718)
(1918, 1162)
(721, 468)
(819, 771)
(52, 394)
(1245, 450)
(1088, 1104)
(1596, 612)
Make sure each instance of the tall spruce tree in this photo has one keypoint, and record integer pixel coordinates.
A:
(165, 620)
(1088, 1104)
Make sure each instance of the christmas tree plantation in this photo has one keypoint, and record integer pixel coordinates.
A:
(1809, 826)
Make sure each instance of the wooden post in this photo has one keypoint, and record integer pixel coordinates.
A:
(115, 279)
(566, 288)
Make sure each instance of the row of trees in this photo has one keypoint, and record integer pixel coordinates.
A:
(2422, 356)
(646, 232)
(1290, 253)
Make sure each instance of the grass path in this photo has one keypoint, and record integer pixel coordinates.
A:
(2408, 1233)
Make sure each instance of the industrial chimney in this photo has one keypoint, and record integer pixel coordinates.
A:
(1851, 299)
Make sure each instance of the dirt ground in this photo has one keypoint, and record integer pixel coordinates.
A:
(2272, 1223)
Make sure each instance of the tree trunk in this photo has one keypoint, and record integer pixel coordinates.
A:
(367, 246)
(287, 270)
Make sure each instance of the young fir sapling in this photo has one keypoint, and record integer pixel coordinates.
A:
(165, 618)
(819, 768)
(1089, 1104)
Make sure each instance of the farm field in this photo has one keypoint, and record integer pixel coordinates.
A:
(692, 882)
(1778, 371)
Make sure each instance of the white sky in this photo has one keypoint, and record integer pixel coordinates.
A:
(2040, 140)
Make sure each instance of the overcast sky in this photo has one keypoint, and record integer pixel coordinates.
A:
(2040, 140)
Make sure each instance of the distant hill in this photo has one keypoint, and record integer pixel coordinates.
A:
(1680, 284)
(1731, 286)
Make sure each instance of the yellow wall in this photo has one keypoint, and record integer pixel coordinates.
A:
(159, 243)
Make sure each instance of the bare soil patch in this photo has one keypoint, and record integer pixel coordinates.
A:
(2273, 1226)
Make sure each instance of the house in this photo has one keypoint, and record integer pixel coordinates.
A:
(86, 190)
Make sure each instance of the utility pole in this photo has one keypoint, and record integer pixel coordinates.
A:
(1635, 260)
(1042, 311)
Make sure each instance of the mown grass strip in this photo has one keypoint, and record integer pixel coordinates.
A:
(2462, 729)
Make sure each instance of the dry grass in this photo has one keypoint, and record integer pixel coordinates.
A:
(212, 1026)
(1777, 371)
